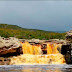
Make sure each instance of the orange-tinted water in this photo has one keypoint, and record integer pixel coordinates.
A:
(33, 55)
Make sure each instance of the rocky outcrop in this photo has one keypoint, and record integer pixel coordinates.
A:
(12, 46)
(9, 46)
(69, 33)
(66, 50)
(37, 41)
(69, 36)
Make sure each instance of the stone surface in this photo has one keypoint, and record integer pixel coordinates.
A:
(66, 49)
(69, 33)
(69, 36)
(9, 45)
(4, 61)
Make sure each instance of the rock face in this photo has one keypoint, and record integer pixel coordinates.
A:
(66, 50)
(9, 46)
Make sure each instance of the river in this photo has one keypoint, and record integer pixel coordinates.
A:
(36, 68)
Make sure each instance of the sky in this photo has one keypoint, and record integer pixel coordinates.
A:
(43, 15)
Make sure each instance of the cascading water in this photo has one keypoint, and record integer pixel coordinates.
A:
(32, 54)
(31, 49)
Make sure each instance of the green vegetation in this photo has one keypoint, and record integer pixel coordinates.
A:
(23, 33)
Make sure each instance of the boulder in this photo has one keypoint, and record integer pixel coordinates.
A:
(66, 49)
(9, 46)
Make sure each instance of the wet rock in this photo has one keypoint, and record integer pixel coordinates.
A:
(4, 61)
(67, 52)
(66, 49)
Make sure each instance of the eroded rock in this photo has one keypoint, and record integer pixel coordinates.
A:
(9, 45)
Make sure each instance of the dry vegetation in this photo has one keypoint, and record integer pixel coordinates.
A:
(23, 33)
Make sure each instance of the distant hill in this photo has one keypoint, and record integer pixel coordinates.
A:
(59, 31)
(15, 27)
(7, 30)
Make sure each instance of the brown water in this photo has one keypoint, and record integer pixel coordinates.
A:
(33, 55)
(37, 59)
(31, 49)
(36, 68)
(36, 49)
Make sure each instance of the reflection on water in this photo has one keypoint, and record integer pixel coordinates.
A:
(36, 68)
